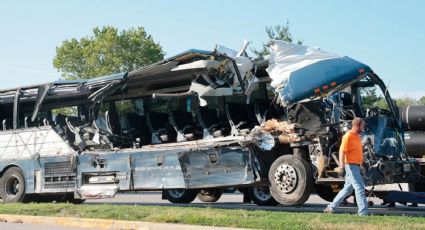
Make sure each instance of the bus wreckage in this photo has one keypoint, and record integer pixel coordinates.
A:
(200, 121)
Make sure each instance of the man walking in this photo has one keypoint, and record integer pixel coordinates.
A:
(350, 159)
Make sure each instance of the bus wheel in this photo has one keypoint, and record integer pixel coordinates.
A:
(261, 196)
(182, 196)
(209, 195)
(12, 186)
(291, 180)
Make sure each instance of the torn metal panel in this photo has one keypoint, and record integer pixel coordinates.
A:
(301, 72)
(192, 168)
(108, 89)
(221, 72)
(97, 191)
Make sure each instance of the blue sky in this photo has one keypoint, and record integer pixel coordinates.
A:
(387, 35)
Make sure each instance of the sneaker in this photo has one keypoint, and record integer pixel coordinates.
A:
(328, 210)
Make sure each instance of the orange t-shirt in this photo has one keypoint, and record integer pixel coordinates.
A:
(351, 145)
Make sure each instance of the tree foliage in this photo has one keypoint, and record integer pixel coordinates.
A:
(278, 32)
(106, 52)
(370, 98)
(422, 101)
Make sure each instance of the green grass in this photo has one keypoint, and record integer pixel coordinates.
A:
(217, 217)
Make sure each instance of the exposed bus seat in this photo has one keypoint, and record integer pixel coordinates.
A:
(102, 124)
(210, 122)
(183, 124)
(250, 114)
(7, 124)
(139, 128)
(61, 126)
(265, 111)
(240, 122)
(159, 127)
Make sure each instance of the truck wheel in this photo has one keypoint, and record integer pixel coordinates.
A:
(12, 186)
(209, 195)
(325, 192)
(291, 180)
(181, 196)
(261, 196)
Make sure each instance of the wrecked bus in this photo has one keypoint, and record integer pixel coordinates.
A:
(200, 121)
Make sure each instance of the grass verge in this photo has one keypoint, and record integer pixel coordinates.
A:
(217, 217)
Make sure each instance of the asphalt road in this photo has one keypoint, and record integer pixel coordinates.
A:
(234, 201)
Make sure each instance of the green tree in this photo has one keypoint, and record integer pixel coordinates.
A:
(405, 101)
(278, 32)
(107, 51)
(422, 101)
(370, 98)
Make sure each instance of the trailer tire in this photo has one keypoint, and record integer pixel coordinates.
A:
(291, 180)
(209, 195)
(180, 196)
(261, 196)
(12, 186)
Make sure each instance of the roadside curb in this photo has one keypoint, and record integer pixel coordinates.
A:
(102, 223)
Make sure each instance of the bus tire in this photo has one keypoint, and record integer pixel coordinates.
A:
(261, 196)
(180, 196)
(12, 186)
(291, 180)
(209, 195)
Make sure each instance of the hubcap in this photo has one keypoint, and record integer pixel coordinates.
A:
(262, 193)
(12, 186)
(176, 193)
(286, 178)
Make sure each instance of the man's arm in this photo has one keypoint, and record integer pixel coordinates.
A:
(341, 159)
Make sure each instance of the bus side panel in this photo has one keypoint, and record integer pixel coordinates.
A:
(218, 167)
(157, 170)
(97, 166)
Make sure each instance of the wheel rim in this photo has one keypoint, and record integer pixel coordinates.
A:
(13, 186)
(286, 178)
(262, 193)
(176, 193)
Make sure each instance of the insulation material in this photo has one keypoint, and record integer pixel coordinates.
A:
(264, 135)
(321, 164)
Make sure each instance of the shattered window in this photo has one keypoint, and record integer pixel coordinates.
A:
(71, 111)
(139, 107)
(159, 105)
(372, 97)
(124, 108)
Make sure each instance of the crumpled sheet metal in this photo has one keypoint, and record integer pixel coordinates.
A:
(302, 72)
(224, 81)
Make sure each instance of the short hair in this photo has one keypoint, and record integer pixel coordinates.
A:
(357, 121)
